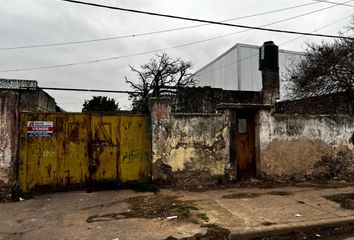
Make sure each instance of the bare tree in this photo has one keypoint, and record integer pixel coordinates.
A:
(160, 76)
(326, 68)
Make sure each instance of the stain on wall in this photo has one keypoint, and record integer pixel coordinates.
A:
(185, 143)
(8, 141)
(306, 146)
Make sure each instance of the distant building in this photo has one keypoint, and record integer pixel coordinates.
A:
(237, 69)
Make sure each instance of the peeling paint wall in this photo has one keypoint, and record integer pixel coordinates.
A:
(317, 146)
(8, 141)
(188, 143)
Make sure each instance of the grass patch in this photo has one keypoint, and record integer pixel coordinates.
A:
(202, 216)
(180, 209)
(159, 206)
(209, 225)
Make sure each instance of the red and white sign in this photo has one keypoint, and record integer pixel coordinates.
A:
(39, 129)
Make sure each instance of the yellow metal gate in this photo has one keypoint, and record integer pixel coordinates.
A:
(70, 150)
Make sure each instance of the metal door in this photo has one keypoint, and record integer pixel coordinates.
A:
(104, 148)
(245, 144)
(56, 158)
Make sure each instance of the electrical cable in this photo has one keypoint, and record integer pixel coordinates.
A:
(127, 92)
(318, 29)
(147, 33)
(283, 20)
(119, 91)
(85, 90)
(282, 44)
(157, 50)
(205, 21)
(335, 3)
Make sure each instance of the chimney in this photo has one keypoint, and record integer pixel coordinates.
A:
(269, 66)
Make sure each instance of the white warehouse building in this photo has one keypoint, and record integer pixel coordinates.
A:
(237, 69)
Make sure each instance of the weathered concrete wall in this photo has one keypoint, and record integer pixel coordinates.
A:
(36, 101)
(194, 146)
(8, 140)
(28, 101)
(304, 146)
(12, 102)
(45, 103)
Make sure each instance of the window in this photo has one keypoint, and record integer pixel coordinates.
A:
(242, 125)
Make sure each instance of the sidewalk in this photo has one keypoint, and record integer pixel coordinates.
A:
(254, 212)
(125, 215)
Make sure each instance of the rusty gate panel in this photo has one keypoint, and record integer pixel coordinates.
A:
(73, 151)
(57, 161)
(104, 147)
(134, 162)
(83, 149)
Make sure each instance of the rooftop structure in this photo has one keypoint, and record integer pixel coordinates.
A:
(237, 69)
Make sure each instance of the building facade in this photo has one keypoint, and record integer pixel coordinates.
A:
(237, 69)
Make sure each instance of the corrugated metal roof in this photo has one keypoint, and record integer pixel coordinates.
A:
(237, 69)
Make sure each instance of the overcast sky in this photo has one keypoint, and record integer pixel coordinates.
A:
(33, 22)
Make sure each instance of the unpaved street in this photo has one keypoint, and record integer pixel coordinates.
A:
(173, 214)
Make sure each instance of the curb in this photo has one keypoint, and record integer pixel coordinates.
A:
(274, 230)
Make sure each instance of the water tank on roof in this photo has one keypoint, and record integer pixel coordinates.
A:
(268, 56)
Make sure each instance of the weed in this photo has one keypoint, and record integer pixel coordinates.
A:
(202, 216)
(209, 225)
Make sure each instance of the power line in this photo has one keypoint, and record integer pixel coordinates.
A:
(147, 33)
(282, 44)
(93, 90)
(272, 24)
(79, 102)
(93, 61)
(335, 3)
(205, 21)
(127, 92)
(86, 90)
(318, 29)
(158, 50)
(286, 19)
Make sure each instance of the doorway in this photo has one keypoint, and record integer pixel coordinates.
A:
(245, 144)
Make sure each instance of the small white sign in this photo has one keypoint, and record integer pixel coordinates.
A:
(39, 129)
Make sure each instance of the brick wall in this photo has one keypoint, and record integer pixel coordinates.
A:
(206, 99)
(327, 104)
